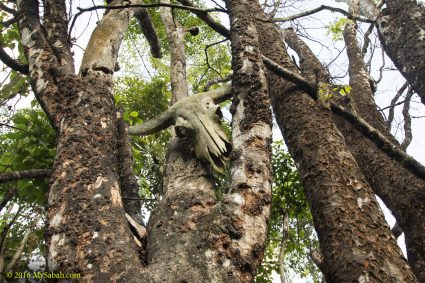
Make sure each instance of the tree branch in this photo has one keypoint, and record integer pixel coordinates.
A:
(7, 196)
(394, 103)
(208, 19)
(6, 230)
(318, 9)
(381, 141)
(7, 9)
(407, 121)
(367, 130)
(25, 174)
(291, 76)
(143, 18)
(153, 5)
(56, 23)
(12, 63)
(102, 50)
(22, 244)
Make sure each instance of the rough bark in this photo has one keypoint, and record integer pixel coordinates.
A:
(175, 35)
(201, 238)
(355, 241)
(386, 176)
(128, 182)
(88, 231)
(401, 29)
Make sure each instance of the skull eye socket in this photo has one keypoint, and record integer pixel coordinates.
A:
(219, 113)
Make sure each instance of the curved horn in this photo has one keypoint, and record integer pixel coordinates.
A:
(157, 124)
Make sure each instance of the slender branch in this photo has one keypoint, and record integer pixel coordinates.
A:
(12, 63)
(394, 103)
(217, 80)
(381, 141)
(7, 196)
(12, 127)
(407, 121)
(25, 174)
(143, 18)
(6, 230)
(318, 9)
(391, 106)
(367, 130)
(7, 9)
(366, 38)
(9, 22)
(291, 76)
(153, 5)
(22, 244)
(208, 19)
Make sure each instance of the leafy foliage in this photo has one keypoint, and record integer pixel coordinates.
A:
(29, 145)
(336, 28)
(288, 198)
(143, 101)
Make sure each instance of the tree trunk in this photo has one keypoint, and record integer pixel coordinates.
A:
(88, 231)
(386, 176)
(346, 215)
(401, 29)
(202, 238)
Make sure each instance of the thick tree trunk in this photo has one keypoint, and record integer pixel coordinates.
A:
(401, 29)
(386, 176)
(201, 238)
(88, 231)
(355, 241)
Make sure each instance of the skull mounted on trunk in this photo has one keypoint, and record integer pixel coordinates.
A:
(197, 121)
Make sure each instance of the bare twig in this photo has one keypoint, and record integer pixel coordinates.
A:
(208, 19)
(153, 5)
(12, 127)
(407, 121)
(393, 103)
(359, 123)
(316, 10)
(206, 55)
(366, 39)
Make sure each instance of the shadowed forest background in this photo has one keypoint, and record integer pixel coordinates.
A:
(213, 141)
